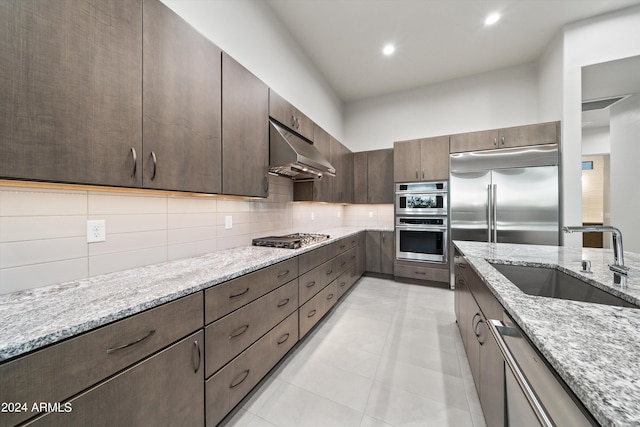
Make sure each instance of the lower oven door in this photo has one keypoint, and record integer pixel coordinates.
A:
(428, 244)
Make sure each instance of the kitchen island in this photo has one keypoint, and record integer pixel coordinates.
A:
(594, 348)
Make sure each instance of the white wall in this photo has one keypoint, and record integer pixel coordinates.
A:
(249, 32)
(496, 99)
(550, 67)
(625, 155)
(592, 41)
(596, 141)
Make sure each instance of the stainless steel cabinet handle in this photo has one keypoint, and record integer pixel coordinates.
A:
(502, 141)
(420, 272)
(416, 173)
(293, 121)
(495, 142)
(330, 296)
(122, 347)
(284, 273)
(329, 272)
(284, 338)
(196, 365)
(343, 284)
(343, 246)
(473, 324)
(495, 327)
(311, 284)
(240, 378)
(135, 161)
(265, 184)
(283, 302)
(241, 330)
(239, 294)
(311, 313)
(155, 165)
(422, 173)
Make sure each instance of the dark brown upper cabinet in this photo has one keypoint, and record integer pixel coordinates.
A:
(424, 159)
(245, 131)
(373, 176)
(285, 113)
(318, 190)
(71, 91)
(181, 104)
(517, 136)
(342, 159)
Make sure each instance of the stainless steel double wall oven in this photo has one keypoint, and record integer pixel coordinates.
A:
(422, 222)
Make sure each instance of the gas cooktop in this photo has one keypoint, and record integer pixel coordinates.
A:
(290, 241)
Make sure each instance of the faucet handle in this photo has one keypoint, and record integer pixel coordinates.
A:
(586, 266)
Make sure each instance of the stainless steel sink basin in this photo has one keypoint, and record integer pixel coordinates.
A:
(549, 282)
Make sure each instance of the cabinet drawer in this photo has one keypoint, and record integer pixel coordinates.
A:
(342, 245)
(312, 311)
(227, 387)
(314, 258)
(229, 296)
(314, 281)
(165, 390)
(344, 261)
(230, 335)
(343, 282)
(420, 272)
(56, 373)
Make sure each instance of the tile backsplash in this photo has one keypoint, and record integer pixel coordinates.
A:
(43, 231)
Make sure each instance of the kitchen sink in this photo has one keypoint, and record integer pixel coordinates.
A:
(549, 282)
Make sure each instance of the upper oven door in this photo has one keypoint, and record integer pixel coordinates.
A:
(421, 203)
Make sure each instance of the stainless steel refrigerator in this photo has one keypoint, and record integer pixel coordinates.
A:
(508, 195)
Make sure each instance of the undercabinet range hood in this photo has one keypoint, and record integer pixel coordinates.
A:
(292, 156)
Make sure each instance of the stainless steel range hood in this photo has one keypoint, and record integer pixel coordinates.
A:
(292, 156)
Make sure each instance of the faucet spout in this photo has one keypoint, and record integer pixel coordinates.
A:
(618, 253)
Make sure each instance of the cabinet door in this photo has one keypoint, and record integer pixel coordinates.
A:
(245, 131)
(380, 176)
(387, 252)
(406, 161)
(343, 182)
(373, 241)
(181, 104)
(360, 177)
(542, 133)
(317, 190)
(435, 158)
(164, 390)
(281, 110)
(71, 84)
(475, 141)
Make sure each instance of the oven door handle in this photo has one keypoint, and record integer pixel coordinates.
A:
(421, 228)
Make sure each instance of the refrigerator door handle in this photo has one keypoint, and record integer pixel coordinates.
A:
(494, 197)
(489, 211)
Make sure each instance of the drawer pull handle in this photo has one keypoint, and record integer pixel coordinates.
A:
(241, 330)
(330, 296)
(283, 274)
(329, 272)
(122, 347)
(343, 284)
(311, 284)
(240, 294)
(420, 272)
(311, 313)
(343, 263)
(353, 257)
(284, 338)
(283, 302)
(343, 246)
(196, 347)
(240, 378)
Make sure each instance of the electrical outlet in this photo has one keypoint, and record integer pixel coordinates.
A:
(228, 222)
(96, 230)
(313, 216)
(370, 214)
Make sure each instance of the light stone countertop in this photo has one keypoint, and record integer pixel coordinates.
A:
(595, 348)
(35, 318)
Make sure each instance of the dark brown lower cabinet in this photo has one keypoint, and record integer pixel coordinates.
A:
(380, 252)
(232, 383)
(166, 389)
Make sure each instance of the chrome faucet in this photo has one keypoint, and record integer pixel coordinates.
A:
(618, 255)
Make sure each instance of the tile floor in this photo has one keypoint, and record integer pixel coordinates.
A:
(389, 354)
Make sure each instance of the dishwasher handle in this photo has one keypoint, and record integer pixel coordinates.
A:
(496, 329)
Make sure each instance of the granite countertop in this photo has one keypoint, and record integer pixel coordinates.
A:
(595, 348)
(34, 318)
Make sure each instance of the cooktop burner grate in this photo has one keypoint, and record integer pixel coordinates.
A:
(290, 241)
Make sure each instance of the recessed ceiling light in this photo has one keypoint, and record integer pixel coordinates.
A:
(492, 19)
(388, 49)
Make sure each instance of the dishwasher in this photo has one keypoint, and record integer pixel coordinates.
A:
(534, 394)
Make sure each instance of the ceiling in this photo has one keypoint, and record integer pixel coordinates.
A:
(436, 40)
